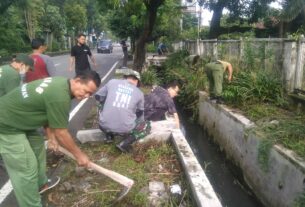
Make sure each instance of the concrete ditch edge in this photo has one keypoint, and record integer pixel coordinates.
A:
(202, 190)
(283, 181)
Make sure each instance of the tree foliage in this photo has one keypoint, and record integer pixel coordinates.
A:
(76, 17)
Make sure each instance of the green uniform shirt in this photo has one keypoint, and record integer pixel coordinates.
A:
(9, 79)
(224, 64)
(32, 105)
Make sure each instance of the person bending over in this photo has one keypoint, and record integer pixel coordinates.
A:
(122, 111)
(160, 101)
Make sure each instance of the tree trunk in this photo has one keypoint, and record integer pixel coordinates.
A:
(140, 45)
(215, 22)
(30, 26)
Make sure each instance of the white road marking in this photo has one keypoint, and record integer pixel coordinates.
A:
(76, 109)
(7, 188)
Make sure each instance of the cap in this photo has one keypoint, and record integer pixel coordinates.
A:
(128, 72)
(25, 59)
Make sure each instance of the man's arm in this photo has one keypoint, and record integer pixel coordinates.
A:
(91, 57)
(72, 61)
(93, 60)
(230, 70)
(177, 120)
(52, 141)
(140, 108)
(101, 94)
(66, 140)
(50, 66)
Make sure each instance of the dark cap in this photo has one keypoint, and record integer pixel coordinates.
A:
(25, 59)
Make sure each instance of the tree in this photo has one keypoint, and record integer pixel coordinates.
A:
(137, 19)
(140, 47)
(51, 23)
(12, 33)
(32, 10)
(76, 17)
(5, 4)
(292, 16)
(251, 10)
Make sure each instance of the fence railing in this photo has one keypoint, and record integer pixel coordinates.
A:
(284, 56)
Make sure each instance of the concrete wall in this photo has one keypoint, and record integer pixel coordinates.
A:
(285, 179)
(285, 56)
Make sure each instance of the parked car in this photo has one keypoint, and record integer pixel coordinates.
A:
(104, 46)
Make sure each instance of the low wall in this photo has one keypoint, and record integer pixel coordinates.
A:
(282, 184)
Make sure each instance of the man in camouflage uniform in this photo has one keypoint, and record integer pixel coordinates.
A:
(215, 71)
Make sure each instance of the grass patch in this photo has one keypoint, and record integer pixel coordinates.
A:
(277, 126)
(151, 161)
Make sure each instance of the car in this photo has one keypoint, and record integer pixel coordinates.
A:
(104, 46)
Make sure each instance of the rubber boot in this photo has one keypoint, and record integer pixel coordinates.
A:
(125, 145)
(219, 100)
(109, 138)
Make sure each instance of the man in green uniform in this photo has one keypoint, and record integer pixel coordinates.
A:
(46, 103)
(10, 74)
(215, 71)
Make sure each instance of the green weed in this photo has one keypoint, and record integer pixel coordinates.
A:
(300, 201)
(263, 154)
(149, 77)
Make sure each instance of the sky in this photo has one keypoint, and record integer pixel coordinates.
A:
(206, 15)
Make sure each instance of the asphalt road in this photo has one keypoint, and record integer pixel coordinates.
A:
(104, 63)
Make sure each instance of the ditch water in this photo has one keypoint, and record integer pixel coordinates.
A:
(225, 178)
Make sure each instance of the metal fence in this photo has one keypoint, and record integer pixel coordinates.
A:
(284, 56)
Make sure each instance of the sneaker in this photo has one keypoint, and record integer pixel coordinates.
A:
(52, 182)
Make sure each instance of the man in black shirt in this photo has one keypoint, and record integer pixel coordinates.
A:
(79, 56)
(125, 49)
(160, 101)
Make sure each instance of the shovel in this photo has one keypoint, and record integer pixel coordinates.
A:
(126, 182)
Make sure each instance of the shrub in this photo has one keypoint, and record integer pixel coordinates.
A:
(149, 77)
(253, 87)
(151, 48)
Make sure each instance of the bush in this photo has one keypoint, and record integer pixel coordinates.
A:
(254, 87)
(191, 76)
(149, 77)
(151, 48)
(4, 53)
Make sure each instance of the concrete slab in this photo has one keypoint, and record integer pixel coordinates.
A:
(160, 130)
